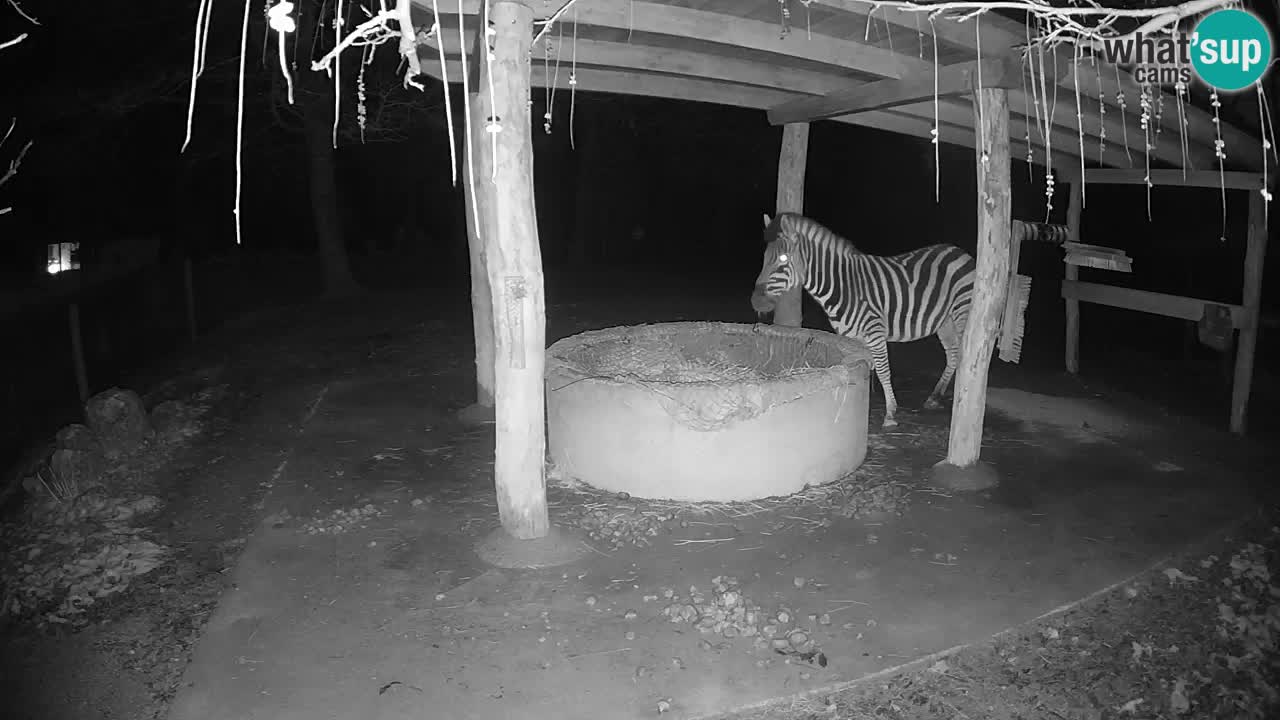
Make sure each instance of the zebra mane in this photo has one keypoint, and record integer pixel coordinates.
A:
(817, 234)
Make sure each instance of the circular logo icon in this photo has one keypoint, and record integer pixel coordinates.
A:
(1232, 49)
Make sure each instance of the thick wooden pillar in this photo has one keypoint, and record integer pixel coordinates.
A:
(792, 161)
(481, 302)
(513, 266)
(1072, 273)
(1254, 258)
(961, 469)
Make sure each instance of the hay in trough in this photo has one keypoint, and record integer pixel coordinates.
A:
(708, 375)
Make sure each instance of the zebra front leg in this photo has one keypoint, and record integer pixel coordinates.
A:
(880, 361)
(950, 339)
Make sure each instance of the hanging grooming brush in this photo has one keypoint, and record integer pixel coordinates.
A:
(1014, 321)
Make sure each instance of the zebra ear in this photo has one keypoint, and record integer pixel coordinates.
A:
(767, 220)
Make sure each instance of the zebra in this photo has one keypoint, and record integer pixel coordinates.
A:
(872, 298)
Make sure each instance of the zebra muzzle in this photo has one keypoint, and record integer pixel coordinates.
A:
(761, 301)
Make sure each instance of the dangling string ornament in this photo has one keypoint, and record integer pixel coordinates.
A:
(1102, 108)
(1026, 112)
(1268, 143)
(1220, 150)
(1124, 116)
(1145, 120)
(573, 80)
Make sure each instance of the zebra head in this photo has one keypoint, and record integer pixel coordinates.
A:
(783, 264)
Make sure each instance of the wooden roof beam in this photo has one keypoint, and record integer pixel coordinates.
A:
(607, 54)
(704, 26)
(1177, 178)
(950, 81)
(998, 33)
(956, 124)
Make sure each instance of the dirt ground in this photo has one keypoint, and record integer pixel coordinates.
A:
(1193, 638)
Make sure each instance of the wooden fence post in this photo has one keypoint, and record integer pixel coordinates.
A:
(792, 162)
(1254, 259)
(961, 469)
(1074, 204)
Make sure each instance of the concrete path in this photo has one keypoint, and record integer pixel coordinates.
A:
(396, 617)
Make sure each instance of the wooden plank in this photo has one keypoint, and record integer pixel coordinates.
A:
(951, 80)
(1152, 303)
(1075, 204)
(1254, 260)
(792, 161)
(995, 222)
(513, 263)
(1175, 178)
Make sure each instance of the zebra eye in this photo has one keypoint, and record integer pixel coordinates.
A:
(783, 258)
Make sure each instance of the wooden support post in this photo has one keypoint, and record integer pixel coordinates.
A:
(792, 161)
(1072, 274)
(189, 288)
(513, 263)
(478, 231)
(961, 469)
(77, 352)
(1254, 259)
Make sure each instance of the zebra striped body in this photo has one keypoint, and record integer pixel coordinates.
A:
(872, 298)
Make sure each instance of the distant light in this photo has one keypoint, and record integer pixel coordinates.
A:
(63, 257)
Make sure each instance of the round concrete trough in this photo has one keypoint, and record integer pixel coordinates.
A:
(701, 411)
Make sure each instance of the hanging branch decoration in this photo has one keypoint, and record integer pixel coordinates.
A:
(337, 72)
(937, 121)
(573, 80)
(1102, 109)
(1026, 112)
(444, 78)
(467, 118)
(1050, 110)
(362, 108)
(1075, 83)
(15, 163)
(493, 123)
(244, 44)
(1035, 89)
(984, 150)
(1124, 122)
(919, 33)
(547, 87)
(1145, 122)
(1268, 143)
(197, 63)
(1220, 151)
(19, 38)
(1180, 95)
(279, 19)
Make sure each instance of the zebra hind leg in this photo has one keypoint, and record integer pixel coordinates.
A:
(950, 338)
(880, 361)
